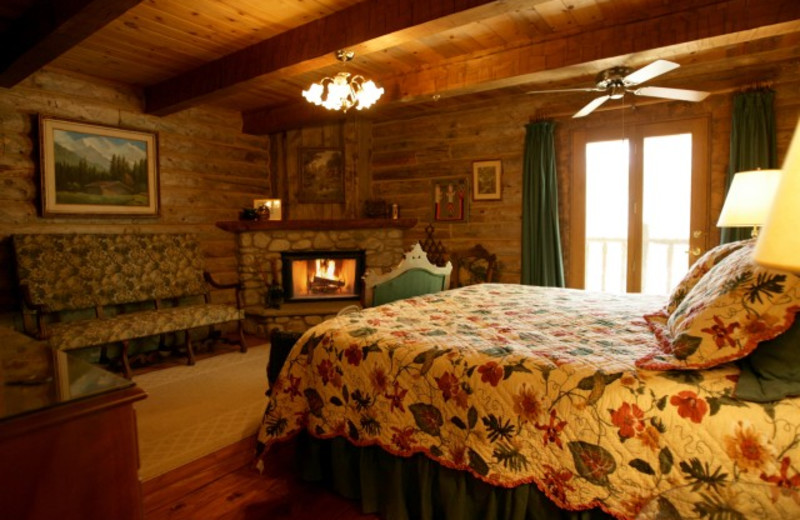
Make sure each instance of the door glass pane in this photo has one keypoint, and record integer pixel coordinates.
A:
(606, 216)
(666, 201)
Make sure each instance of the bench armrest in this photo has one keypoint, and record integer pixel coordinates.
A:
(213, 283)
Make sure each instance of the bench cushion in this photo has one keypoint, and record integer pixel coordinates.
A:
(88, 333)
(78, 271)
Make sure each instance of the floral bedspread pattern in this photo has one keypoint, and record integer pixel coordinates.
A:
(520, 384)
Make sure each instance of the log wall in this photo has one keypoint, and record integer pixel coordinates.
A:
(351, 135)
(208, 169)
(409, 155)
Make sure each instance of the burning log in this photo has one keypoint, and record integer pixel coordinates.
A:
(325, 285)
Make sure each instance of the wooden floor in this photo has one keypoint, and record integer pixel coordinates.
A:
(224, 485)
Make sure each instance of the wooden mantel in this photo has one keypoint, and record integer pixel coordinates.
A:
(239, 226)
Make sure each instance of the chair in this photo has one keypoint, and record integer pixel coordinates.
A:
(476, 265)
(414, 276)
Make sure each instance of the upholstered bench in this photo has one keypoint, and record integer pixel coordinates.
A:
(132, 285)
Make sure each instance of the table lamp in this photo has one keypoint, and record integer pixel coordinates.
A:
(749, 199)
(778, 245)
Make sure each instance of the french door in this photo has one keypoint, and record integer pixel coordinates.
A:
(639, 205)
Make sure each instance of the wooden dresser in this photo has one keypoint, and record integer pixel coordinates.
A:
(68, 446)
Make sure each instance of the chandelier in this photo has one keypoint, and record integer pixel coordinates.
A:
(344, 91)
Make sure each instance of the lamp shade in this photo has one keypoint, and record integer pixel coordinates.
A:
(778, 244)
(749, 198)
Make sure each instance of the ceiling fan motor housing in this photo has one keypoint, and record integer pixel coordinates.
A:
(613, 79)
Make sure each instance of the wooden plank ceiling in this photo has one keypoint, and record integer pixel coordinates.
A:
(256, 56)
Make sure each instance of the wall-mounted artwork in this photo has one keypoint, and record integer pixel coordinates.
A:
(321, 175)
(450, 199)
(95, 170)
(486, 180)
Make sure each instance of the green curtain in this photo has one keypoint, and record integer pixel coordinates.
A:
(752, 143)
(541, 243)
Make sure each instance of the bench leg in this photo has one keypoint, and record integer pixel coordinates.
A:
(189, 349)
(126, 365)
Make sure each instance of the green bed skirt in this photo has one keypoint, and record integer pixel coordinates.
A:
(417, 488)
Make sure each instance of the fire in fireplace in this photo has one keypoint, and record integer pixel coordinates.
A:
(322, 275)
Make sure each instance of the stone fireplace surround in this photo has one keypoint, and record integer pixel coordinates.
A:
(260, 243)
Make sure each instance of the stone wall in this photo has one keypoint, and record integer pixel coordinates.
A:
(258, 249)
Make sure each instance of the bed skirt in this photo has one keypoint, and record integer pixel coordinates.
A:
(414, 488)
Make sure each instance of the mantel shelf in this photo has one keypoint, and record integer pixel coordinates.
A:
(239, 226)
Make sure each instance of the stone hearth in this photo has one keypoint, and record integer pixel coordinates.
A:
(261, 244)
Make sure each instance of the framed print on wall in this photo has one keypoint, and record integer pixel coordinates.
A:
(450, 199)
(486, 176)
(321, 172)
(97, 171)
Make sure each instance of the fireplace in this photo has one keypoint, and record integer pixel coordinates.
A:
(322, 275)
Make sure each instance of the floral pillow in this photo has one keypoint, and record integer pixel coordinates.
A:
(703, 264)
(736, 305)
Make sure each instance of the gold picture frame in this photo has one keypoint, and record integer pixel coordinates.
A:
(97, 171)
(487, 180)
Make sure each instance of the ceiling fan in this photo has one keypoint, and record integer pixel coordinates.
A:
(616, 81)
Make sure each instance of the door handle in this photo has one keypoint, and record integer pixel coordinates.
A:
(695, 251)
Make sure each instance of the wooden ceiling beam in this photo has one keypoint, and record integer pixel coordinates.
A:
(369, 26)
(577, 55)
(49, 29)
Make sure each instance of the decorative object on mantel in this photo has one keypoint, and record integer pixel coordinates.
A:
(248, 214)
(375, 208)
(450, 200)
(343, 92)
(321, 172)
(437, 253)
(486, 182)
(97, 170)
(272, 207)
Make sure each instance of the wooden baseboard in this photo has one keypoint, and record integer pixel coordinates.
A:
(179, 482)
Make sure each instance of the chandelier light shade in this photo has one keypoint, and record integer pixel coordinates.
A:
(778, 243)
(344, 91)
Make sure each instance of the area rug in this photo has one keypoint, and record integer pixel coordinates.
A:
(192, 411)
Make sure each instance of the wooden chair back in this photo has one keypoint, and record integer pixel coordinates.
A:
(475, 265)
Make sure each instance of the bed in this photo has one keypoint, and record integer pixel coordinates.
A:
(627, 404)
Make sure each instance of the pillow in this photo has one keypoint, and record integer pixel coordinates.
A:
(736, 305)
(701, 266)
(772, 372)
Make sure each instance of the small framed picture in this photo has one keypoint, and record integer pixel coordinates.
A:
(486, 180)
(272, 207)
(450, 200)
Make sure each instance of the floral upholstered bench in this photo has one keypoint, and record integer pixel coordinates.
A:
(88, 290)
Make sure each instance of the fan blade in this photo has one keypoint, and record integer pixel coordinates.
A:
(591, 106)
(648, 72)
(587, 89)
(672, 93)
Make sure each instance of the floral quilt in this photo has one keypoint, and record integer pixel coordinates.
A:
(519, 385)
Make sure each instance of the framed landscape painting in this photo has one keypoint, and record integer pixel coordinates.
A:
(321, 175)
(94, 170)
(486, 180)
